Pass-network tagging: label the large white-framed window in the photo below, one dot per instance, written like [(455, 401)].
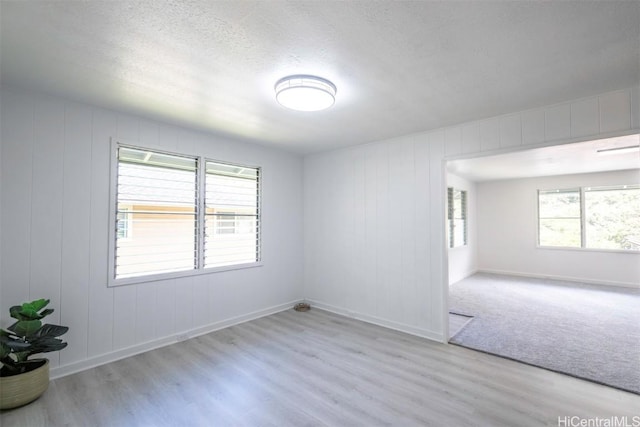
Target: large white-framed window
[(601, 218), (457, 217), (164, 211)]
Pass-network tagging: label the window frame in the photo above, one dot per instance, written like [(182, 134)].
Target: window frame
[(583, 231), (580, 216), (201, 159)]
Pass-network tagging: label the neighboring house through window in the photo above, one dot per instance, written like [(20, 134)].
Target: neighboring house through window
[(123, 225)]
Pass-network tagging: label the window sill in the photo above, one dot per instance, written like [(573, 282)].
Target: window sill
[(459, 248), (179, 274), (563, 248)]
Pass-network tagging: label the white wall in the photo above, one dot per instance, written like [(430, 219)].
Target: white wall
[(463, 260), (55, 204), (374, 242), (370, 249), (507, 224), (374, 214)]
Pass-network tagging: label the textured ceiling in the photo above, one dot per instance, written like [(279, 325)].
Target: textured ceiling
[(400, 67)]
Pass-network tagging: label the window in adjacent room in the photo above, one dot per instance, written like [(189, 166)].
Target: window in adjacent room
[(590, 217), (457, 217), (559, 218), (164, 206), (612, 217)]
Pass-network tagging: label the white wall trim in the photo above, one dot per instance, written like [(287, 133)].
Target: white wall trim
[(466, 274), (389, 324), (544, 144), (62, 371), (565, 278)]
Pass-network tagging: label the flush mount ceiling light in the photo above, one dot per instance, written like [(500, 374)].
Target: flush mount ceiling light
[(305, 93)]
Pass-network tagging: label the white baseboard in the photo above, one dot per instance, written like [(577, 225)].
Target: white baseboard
[(390, 324), (564, 278), (464, 276), (113, 356)]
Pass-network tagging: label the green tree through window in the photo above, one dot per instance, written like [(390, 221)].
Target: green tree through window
[(612, 218), (594, 218)]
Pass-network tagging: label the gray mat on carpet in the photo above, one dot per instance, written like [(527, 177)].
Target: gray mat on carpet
[(588, 331)]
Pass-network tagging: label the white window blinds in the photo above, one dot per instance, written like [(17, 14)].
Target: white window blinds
[(232, 199), (156, 196)]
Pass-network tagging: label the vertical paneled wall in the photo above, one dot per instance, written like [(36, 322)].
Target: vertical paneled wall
[(370, 249), (374, 214), (54, 231)]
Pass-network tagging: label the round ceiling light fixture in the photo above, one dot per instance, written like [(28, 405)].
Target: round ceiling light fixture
[(305, 93)]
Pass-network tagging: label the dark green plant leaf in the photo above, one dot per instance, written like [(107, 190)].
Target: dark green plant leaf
[(24, 328), (8, 362), (20, 313), (51, 331), (35, 305), (4, 350), (29, 310), (27, 336), (16, 312), (15, 345), (46, 344), (46, 312), (22, 356)]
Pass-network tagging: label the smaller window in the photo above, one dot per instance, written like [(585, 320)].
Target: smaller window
[(225, 223), (457, 217), (559, 218)]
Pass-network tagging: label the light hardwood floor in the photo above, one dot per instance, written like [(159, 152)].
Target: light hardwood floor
[(316, 369)]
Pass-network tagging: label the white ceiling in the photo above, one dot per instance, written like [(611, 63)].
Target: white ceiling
[(582, 157), (400, 67)]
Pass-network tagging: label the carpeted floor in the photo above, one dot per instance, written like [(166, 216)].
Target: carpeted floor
[(588, 331)]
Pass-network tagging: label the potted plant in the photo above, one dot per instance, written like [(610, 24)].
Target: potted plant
[(23, 380)]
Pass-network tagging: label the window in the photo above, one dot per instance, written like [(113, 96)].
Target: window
[(231, 222), (590, 217), (612, 217), (225, 223), (457, 217), (559, 218), (167, 207)]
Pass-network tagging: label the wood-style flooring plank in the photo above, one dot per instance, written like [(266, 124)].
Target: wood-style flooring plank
[(317, 369)]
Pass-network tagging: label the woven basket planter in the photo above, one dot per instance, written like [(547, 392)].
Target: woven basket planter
[(18, 390)]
